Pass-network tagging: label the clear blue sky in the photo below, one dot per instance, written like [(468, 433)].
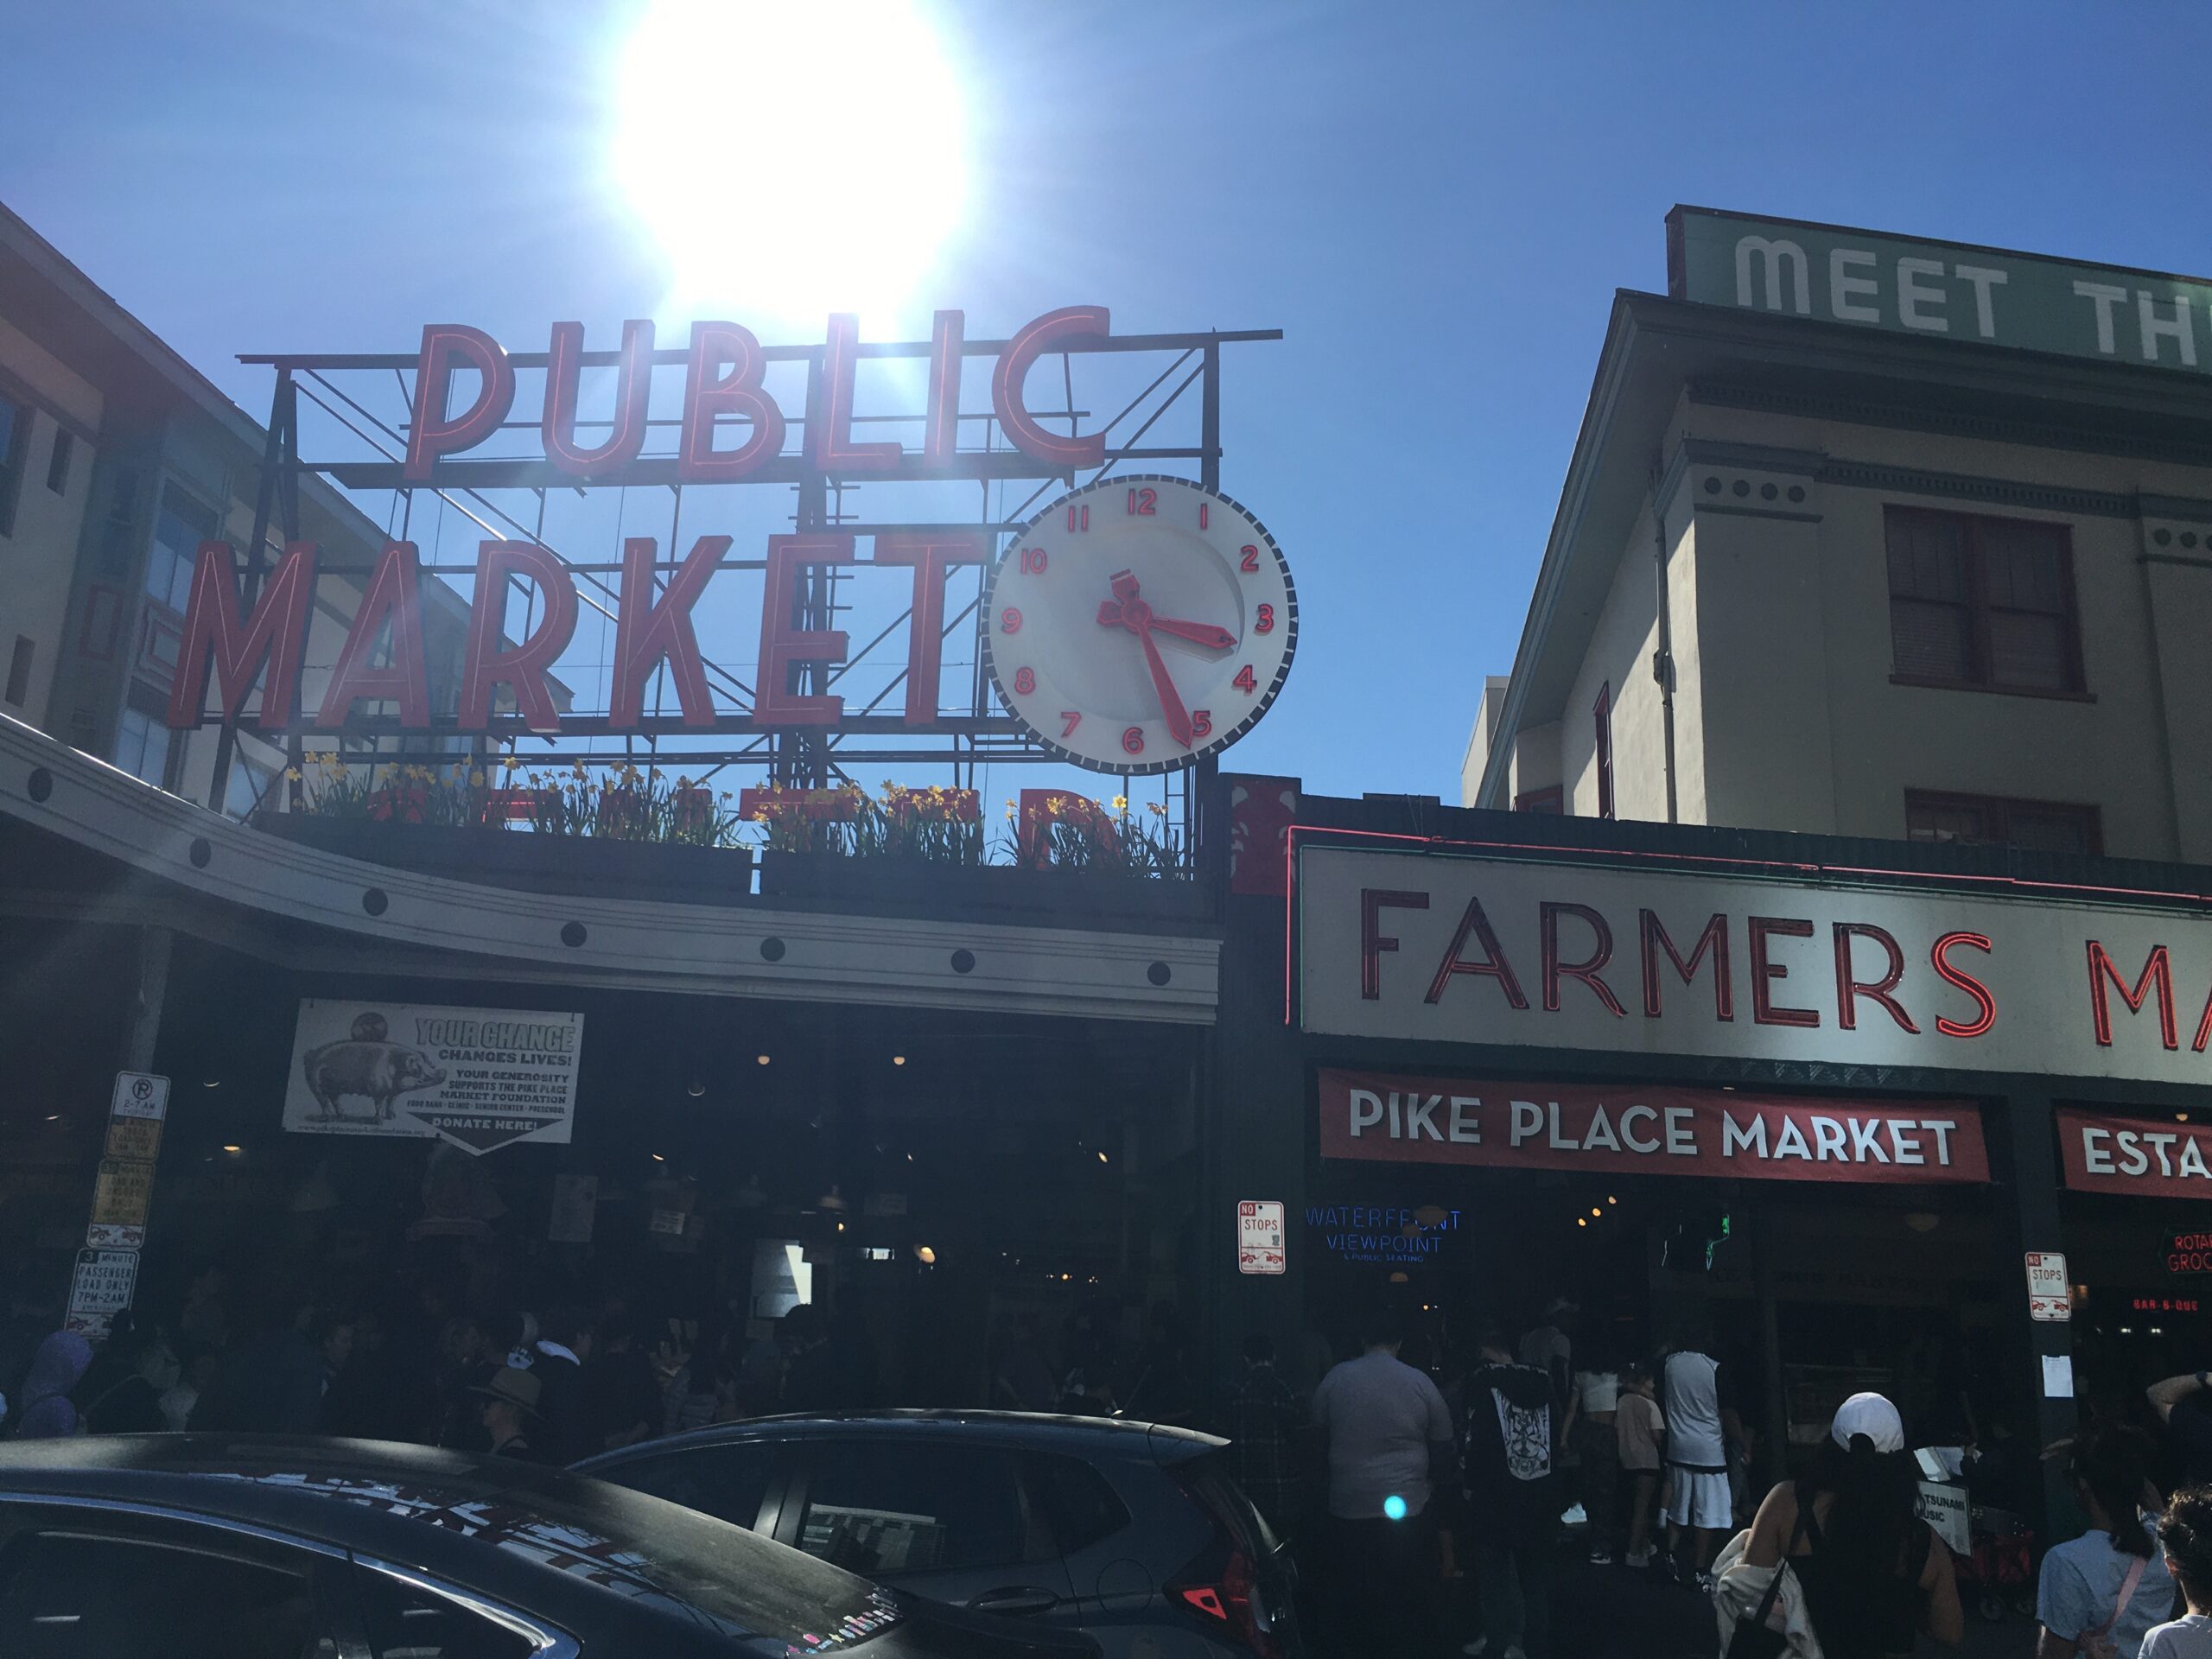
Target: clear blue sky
[(1435, 202)]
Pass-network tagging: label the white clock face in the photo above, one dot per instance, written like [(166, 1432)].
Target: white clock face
[(1139, 623)]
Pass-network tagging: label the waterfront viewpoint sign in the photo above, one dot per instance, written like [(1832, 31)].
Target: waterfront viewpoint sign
[(1635, 958), (1945, 290)]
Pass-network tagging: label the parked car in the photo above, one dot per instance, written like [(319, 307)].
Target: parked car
[(1134, 1532), (219, 1546)]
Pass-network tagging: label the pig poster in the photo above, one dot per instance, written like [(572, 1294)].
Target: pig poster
[(477, 1077)]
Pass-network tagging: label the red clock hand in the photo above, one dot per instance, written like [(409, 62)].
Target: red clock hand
[(1200, 633), (1171, 701), (1126, 610)]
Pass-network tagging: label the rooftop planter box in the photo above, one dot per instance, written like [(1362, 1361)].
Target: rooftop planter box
[(595, 866), (925, 887)]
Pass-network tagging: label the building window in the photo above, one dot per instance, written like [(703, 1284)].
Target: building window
[(1978, 602), (57, 461), (142, 746), (1552, 800), (19, 670), (14, 439), (1992, 821), (1602, 714), (247, 786), (179, 528)]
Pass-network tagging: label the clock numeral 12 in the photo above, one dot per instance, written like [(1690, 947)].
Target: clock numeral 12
[(1244, 681), (1143, 502), (1032, 561)]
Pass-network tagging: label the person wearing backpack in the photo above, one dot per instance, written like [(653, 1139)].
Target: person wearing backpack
[(2099, 1595), (1873, 1574)]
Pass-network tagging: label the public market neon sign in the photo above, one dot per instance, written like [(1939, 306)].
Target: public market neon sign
[(227, 641)]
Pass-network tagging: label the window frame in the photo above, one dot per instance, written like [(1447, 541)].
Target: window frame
[(1037, 1544), (1601, 716), (1550, 798), (1999, 807), (15, 460), (1978, 608), (61, 457)]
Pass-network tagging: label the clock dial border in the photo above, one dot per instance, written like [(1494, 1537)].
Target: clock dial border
[(1222, 737)]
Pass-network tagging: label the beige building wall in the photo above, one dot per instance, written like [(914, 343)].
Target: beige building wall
[(1786, 715), (1619, 662), (37, 556)]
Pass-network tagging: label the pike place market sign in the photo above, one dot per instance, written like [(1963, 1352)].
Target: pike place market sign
[(1639, 959), (1944, 290)]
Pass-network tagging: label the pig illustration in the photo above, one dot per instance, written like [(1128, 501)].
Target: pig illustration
[(379, 1072)]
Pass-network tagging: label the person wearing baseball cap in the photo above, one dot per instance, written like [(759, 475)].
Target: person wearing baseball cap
[(509, 1407), (1873, 1574)]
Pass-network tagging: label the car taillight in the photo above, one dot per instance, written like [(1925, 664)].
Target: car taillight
[(1230, 1595)]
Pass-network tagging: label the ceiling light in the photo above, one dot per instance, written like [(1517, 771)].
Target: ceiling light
[(1595, 1212), (1103, 1159), (898, 1059), (658, 1159), (698, 1088), (760, 1059), (54, 1117), (1399, 1279), (233, 1147), (841, 1226), (925, 1255), (1582, 1221), (212, 1083), (1610, 1199)]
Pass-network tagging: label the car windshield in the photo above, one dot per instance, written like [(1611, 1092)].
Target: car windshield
[(637, 1546)]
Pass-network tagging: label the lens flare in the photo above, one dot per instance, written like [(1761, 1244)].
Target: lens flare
[(792, 160)]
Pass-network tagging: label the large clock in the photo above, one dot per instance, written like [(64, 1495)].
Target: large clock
[(1139, 623)]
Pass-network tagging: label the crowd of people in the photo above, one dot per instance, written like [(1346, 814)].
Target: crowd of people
[(549, 1384)]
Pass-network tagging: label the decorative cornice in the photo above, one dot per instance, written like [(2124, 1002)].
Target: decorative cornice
[(221, 880)]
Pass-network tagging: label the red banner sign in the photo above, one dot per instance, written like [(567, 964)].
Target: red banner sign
[(1630, 1129), (2150, 1156)]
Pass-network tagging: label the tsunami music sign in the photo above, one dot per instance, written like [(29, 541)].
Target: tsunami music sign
[(479, 1077)]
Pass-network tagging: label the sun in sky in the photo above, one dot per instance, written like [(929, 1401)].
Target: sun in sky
[(792, 157)]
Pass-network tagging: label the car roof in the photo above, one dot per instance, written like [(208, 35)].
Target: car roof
[(1097, 1436)]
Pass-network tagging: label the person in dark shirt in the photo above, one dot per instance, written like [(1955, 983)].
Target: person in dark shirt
[(1264, 1418), (622, 1402), (2185, 1408), (131, 1403), (563, 1346), (1513, 1495)]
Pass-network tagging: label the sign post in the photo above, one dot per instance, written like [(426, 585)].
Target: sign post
[(1259, 1246), (2050, 1298)]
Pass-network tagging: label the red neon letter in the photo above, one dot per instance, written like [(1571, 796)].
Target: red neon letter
[(1941, 957), (645, 632), (941, 431), (1372, 941), (707, 394), (390, 595), (1714, 939), (1601, 952), (2158, 970), (784, 645), (933, 557), (1070, 323), (831, 436), (633, 387), (277, 629), (1494, 965), (1849, 988), (1764, 1011), (524, 667), (444, 346)]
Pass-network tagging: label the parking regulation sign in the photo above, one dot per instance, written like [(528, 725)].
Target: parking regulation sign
[(101, 1289), (1259, 1236)]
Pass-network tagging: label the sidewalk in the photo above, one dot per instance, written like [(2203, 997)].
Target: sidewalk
[(1614, 1612)]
